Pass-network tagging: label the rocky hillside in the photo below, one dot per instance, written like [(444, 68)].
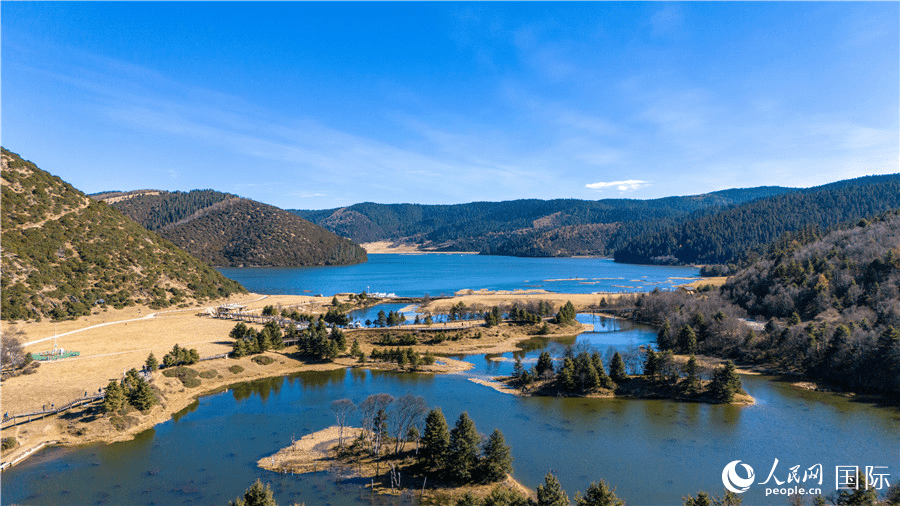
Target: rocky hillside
[(230, 231), (64, 253)]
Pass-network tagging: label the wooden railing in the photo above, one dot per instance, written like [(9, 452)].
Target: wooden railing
[(52, 410)]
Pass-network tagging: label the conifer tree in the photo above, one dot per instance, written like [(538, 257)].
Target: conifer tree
[(605, 380), (551, 493), (435, 441), (503, 496), (687, 340), (617, 368), (140, 395), (651, 365), (699, 323), (585, 373), (725, 383), (151, 363), (463, 450), (702, 499), (239, 331), (239, 349), (496, 461), (861, 495), (664, 336), (492, 318), (518, 368), (273, 336), (130, 381), (544, 364), (113, 398), (691, 380), (566, 375), (566, 314), (256, 495), (598, 494)]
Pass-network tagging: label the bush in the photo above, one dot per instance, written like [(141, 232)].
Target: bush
[(236, 369), (209, 374), (190, 382), (118, 422), (9, 443), (187, 375), (263, 360)]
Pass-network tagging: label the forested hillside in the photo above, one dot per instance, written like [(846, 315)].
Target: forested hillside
[(728, 236), (832, 306), (157, 209), (63, 253), (560, 227), (226, 230)]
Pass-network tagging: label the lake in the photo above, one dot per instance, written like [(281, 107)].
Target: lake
[(653, 451), (444, 274)]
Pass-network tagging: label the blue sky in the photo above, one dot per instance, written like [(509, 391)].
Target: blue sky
[(319, 105)]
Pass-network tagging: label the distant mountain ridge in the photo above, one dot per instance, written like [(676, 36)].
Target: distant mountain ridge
[(717, 227), (227, 230), (531, 227), (730, 234), (64, 253)]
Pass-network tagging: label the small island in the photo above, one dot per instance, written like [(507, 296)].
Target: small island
[(439, 465), (584, 375)]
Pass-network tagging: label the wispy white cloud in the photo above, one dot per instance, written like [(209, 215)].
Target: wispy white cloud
[(557, 114), (622, 186)]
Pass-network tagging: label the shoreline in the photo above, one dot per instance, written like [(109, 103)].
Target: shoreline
[(174, 397), (316, 452), (390, 247), (635, 387), (211, 336)]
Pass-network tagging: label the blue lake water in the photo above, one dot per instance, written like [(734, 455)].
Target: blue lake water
[(653, 451), (417, 275)]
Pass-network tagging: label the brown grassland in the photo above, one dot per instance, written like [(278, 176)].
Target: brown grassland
[(112, 341)]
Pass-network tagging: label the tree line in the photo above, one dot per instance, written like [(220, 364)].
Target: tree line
[(532, 227), (583, 373), (831, 308), (733, 235)]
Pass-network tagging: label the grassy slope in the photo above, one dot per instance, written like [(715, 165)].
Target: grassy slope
[(63, 253)]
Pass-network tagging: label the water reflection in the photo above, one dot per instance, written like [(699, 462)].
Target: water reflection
[(653, 451), (190, 408)]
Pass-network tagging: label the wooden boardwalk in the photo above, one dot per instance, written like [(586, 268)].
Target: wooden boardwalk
[(52, 410), (256, 318)]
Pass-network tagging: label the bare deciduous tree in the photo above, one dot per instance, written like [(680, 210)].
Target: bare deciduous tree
[(369, 411), (342, 408), (409, 410)]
